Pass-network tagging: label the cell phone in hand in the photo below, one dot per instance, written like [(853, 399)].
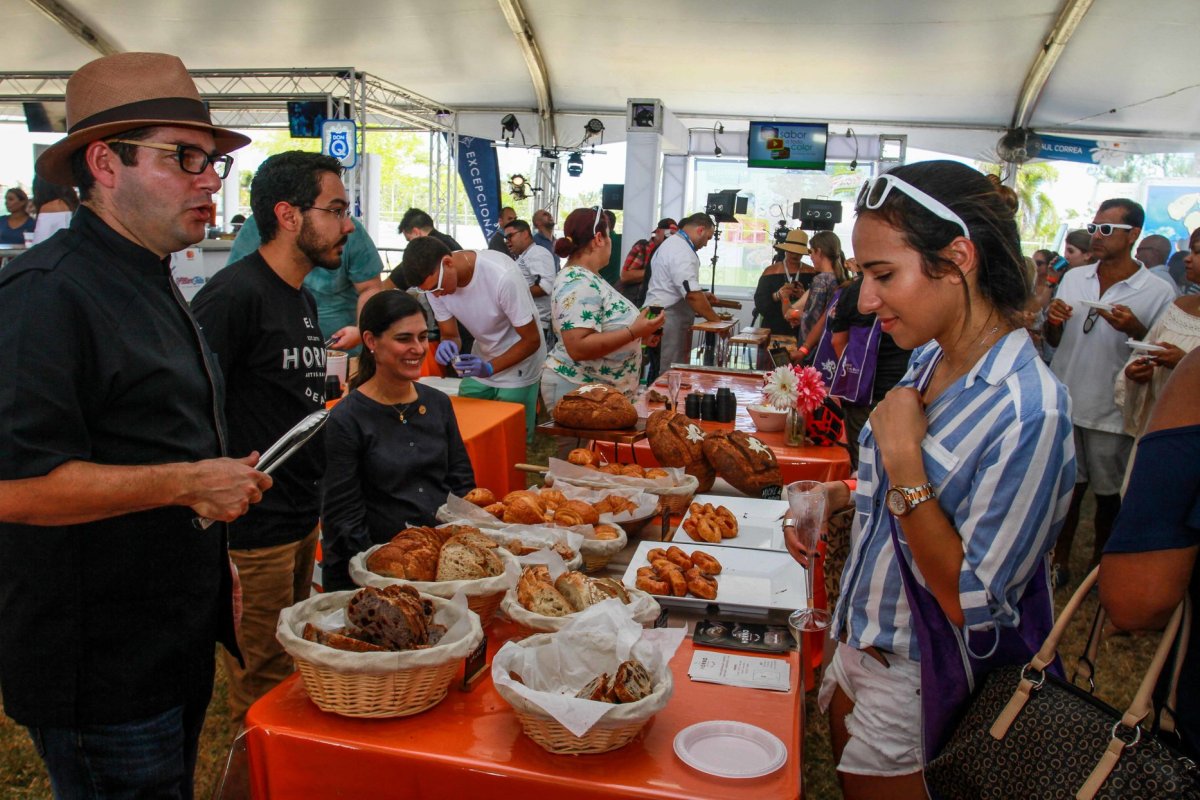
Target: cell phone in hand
[(654, 312)]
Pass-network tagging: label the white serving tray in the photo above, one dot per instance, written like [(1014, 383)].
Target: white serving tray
[(751, 579), (760, 522)]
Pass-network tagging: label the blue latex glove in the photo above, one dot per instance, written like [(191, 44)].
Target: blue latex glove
[(470, 366), (446, 351)]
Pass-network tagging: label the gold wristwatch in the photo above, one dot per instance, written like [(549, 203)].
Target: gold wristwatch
[(901, 500)]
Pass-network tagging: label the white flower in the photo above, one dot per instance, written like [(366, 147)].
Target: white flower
[(781, 388)]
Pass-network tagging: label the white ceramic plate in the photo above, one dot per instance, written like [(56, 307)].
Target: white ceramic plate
[(1143, 347), (751, 579), (759, 522), (1093, 304), (730, 749)]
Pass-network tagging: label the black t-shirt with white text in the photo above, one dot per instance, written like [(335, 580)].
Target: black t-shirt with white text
[(271, 351)]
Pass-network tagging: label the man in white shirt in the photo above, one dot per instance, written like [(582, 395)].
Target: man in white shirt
[(1091, 351), (487, 289), (536, 265), (674, 285)]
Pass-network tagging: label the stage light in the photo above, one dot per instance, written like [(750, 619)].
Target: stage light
[(508, 126), (575, 165), (518, 187), (592, 129)]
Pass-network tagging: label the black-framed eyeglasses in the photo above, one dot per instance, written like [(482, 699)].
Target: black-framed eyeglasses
[(1107, 228), (340, 213), (510, 235), (192, 160), (1090, 321)]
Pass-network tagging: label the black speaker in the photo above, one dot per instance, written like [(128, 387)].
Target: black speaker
[(817, 215), (612, 196)]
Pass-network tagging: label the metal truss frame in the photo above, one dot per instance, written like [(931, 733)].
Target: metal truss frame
[(249, 99)]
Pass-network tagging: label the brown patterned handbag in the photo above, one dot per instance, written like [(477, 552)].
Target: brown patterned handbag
[(1029, 735)]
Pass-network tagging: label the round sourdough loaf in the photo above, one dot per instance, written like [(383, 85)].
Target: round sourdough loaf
[(743, 460), (677, 441), (595, 407)]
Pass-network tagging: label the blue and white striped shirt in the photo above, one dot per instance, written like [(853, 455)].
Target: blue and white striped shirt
[(1000, 453)]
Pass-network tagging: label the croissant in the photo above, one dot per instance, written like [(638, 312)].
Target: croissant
[(525, 509), (481, 497)]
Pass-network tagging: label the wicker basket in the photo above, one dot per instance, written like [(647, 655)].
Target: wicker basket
[(483, 595), (393, 694), (618, 726), (394, 684), (642, 607), (554, 738)]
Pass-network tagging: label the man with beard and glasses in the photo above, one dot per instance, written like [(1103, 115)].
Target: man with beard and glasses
[(262, 324)]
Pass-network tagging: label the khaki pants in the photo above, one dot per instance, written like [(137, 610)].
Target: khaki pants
[(272, 578)]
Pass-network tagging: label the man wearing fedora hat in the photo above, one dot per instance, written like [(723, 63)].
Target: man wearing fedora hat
[(110, 598)]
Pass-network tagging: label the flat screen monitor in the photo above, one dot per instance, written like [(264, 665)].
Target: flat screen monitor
[(47, 116), (305, 118), (787, 145)]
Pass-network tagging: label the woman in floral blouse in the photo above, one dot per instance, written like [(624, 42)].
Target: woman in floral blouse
[(599, 332)]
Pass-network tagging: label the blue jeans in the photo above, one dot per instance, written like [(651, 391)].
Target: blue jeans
[(153, 757)]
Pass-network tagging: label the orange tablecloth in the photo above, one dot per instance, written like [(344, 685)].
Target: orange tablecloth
[(430, 366), (494, 433), (471, 745)]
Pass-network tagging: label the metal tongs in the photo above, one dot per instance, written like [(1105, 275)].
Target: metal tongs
[(281, 451)]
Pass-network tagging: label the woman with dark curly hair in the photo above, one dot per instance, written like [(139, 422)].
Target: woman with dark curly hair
[(966, 470)]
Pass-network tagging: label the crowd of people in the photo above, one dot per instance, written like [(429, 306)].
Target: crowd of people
[(137, 416)]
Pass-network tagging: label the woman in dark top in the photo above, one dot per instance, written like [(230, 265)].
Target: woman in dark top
[(781, 283), (890, 365), (1149, 562), (393, 450), (17, 223)]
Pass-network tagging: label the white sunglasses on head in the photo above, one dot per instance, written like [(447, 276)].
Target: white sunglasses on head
[(438, 288), (875, 190)]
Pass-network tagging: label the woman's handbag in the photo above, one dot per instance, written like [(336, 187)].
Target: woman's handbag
[(854, 377), (1029, 734)]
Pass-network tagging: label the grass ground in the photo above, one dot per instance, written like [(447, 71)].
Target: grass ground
[(1122, 662)]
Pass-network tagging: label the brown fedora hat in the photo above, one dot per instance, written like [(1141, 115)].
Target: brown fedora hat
[(126, 91), (796, 242)]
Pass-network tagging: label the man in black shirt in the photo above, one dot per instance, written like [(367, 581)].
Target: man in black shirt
[(262, 324), (110, 599)]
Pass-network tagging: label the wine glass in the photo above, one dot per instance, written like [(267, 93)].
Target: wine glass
[(674, 382), (806, 505)]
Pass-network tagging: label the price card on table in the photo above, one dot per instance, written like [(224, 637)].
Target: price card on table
[(773, 674)]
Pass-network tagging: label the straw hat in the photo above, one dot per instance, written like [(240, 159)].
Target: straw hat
[(796, 242), (126, 91)]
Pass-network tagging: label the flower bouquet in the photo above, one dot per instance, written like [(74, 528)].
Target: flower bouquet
[(798, 390)]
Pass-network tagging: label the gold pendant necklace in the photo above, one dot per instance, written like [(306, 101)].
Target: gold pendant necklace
[(404, 408)]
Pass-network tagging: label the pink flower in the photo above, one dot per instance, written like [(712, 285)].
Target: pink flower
[(810, 391)]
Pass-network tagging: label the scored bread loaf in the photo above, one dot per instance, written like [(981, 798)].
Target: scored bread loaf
[(595, 407), (677, 441), (743, 460)]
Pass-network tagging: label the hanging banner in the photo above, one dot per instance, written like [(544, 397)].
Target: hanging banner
[(1061, 148), (479, 170)]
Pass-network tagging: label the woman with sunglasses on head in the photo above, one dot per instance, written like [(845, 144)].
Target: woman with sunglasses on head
[(965, 473), (600, 333), (392, 446)]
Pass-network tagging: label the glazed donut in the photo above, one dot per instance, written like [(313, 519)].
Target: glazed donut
[(709, 531), (695, 509), (648, 581), (701, 585), (725, 514), (679, 558), (706, 563), (655, 554), (674, 576), (661, 565)]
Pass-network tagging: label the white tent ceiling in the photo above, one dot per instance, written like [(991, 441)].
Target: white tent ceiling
[(944, 67)]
